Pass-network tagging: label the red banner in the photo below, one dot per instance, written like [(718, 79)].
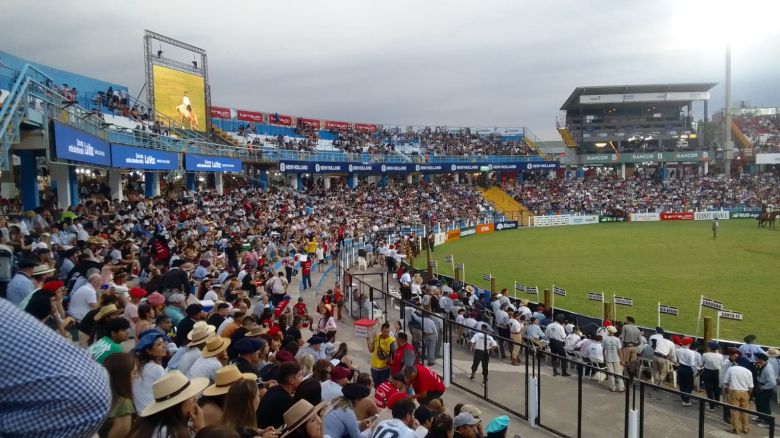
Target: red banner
[(314, 123), (249, 116), (278, 119), (687, 216), (219, 112), (453, 235), (365, 127), (336, 126)]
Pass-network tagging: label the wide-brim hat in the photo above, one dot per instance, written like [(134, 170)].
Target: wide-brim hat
[(97, 240), (417, 279), (299, 414), (187, 266), (200, 333), (172, 389), (470, 289), (105, 311), (773, 352), (42, 270), (225, 377), (215, 345), (256, 331)]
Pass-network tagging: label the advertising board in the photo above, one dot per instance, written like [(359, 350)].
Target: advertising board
[(485, 228), (127, 157), (681, 216), (204, 163), (644, 217), (710, 215), (467, 231), (504, 226), (76, 145)]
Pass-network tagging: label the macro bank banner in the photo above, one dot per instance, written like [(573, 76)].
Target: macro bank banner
[(204, 163), (425, 168), (76, 145), (145, 159)]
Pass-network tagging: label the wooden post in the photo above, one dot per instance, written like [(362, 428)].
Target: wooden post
[(458, 275), (707, 329), (607, 310), (547, 299), (493, 285)]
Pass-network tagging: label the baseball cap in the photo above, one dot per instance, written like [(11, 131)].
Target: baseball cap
[(464, 419)]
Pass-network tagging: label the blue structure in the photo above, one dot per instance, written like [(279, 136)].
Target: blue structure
[(29, 179)]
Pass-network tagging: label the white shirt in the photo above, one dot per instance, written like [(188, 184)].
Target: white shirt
[(142, 385), (515, 326), (188, 359), (479, 341), (205, 367), (555, 331), (664, 347), (185, 100), (712, 361), (80, 301), (524, 310), (686, 356), (596, 352), (571, 341), (225, 323), (406, 278), (330, 390), (739, 378), (394, 428)]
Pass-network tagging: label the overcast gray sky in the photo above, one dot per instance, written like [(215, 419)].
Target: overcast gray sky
[(459, 63)]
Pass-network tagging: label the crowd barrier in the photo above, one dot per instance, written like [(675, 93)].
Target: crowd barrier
[(576, 406)]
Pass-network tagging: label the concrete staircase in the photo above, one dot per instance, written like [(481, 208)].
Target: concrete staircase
[(506, 205), (568, 139), (223, 136)]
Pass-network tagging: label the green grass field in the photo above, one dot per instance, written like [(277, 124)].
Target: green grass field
[(670, 262)]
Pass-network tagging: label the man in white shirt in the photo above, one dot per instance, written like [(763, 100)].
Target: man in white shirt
[(556, 335), (662, 359), (502, 326), (84, 298), (516, 334), (482, 344), (331, 388), (401, 423), (690, 363), (739, 382), (712, 361), (612, 348)]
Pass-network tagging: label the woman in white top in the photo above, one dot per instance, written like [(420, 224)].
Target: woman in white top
[(150, 352), (326, 323)]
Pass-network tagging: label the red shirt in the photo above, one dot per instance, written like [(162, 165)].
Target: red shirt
[(306, 267), (383, 392), (427, 381), (397, 363), (300, 309)]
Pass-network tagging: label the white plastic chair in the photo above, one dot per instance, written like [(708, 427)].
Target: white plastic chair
[(362, 263)]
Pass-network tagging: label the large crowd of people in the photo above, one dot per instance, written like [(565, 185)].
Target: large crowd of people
[(762, 131), (612, 195)]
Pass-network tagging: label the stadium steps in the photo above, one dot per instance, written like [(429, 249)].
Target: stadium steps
[(744, 143), (222, 136), (506, 204), (533, 146), (568, 139)]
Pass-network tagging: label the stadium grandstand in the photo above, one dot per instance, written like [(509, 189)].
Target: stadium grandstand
[(192, 243)]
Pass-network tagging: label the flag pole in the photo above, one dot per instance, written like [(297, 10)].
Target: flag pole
[(552, 302), (717, 327), (659, 314), (698, 319)]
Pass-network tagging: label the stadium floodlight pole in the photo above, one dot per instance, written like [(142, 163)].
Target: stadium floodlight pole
[(728, 146)]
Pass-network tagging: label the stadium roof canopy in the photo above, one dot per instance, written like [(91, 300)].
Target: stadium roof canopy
[(616, 94)]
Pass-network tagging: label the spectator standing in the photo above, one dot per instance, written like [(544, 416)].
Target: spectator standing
[(482, 343), (690, 362), (739, 382), (712, 362), (556, 334), (631, 337), (765, 388), (382, 348), (612, 348)]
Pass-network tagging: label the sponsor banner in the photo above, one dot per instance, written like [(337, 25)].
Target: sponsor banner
[(180, 95), (532, 290), (249, 116), (453, 235), (520, 287), (683, 216), (541, 165), (484, 228), (486, 277), (596, 296), (278, 119), (767, 158), (622, 301), (76, 145), (712, 304), (433, 264), (583, 220), (448, 259), (727, 314), (503, 226), (644, 217), (559, 291), (645, 157), (550, 221), (668, 310), (203, 163), (745, 214), (439, 238), (460, 266), (710, 215), (220, 113), (365, 127), (314, 123), (146, 159), (336, 126), (605, 219), (468, 231)]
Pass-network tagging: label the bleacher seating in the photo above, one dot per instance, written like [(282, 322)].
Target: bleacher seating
[(762, 130)]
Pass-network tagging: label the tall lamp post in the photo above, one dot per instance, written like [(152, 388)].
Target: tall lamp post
[(728, 145)]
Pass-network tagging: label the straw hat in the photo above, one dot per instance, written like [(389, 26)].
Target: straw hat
[(773, 352), (172, 389), (187, 266), (470, 289), (225, 377), (256, 331), (215, 345), (299, 414), (417, 279), (42, 270), (200, 333), (105, 311), (97, 240)]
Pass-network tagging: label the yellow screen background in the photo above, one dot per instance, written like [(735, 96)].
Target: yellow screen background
[(169, 88)]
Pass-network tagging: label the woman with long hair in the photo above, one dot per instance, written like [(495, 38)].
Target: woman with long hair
[(366, 407), (326, 323), (304, 420), (150, 352), (240, 409), (442, 426), (174, 412), (145, 318), (120, 367)]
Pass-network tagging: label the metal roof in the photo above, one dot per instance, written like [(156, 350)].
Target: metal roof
[(574, 99)]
